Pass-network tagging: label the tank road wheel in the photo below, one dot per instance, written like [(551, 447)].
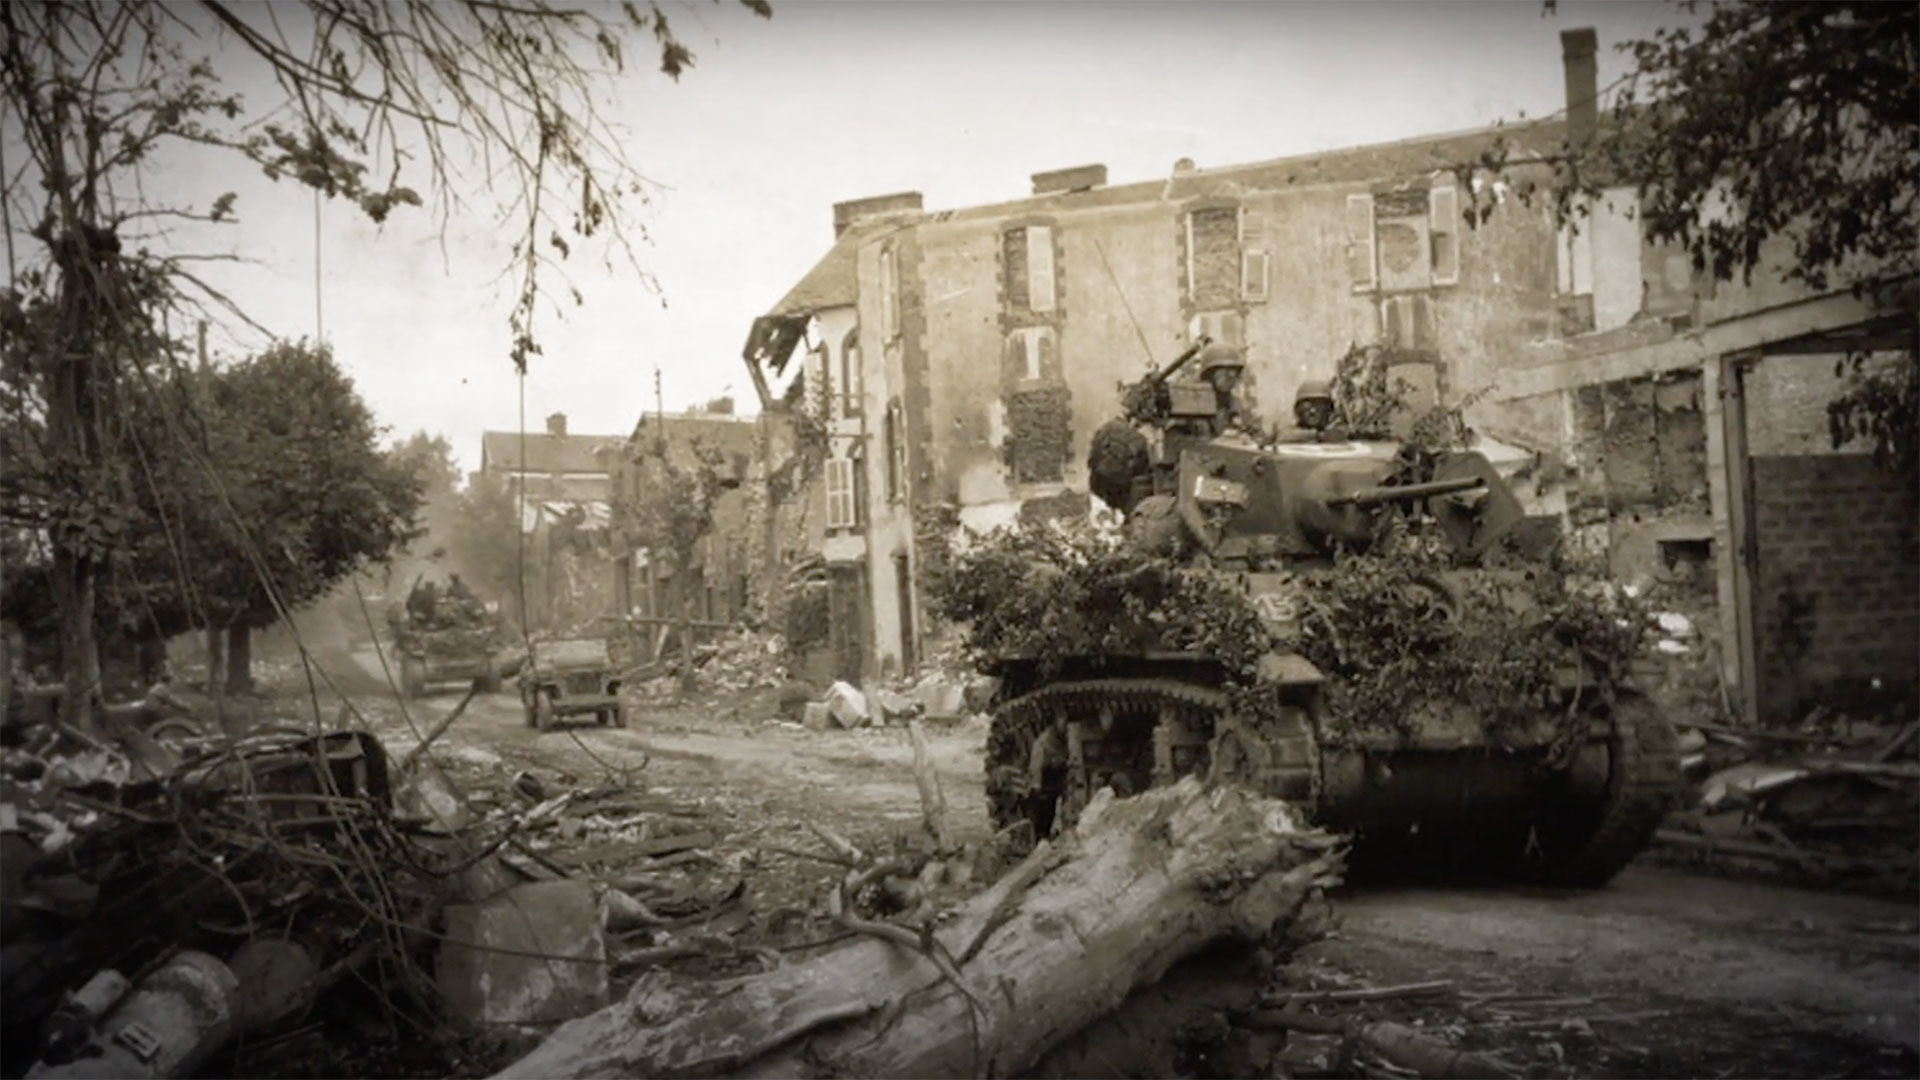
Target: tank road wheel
[(1030, 775), (1012, 795), (1588, 846)]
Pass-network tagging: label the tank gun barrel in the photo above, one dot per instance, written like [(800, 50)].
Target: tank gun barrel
[(1378, 496)]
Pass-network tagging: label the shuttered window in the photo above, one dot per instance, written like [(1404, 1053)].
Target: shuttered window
[(1013, 257), (850, 374), (1360, 248), (896, 453), (1040, 279), (1213, 256), (839, 476), (1443, 223), (889, 297)]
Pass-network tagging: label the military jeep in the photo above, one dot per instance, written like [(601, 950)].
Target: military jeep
[(571, 677)]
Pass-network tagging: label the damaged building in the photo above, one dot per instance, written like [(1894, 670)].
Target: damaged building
[(962, 359), (563, 485)]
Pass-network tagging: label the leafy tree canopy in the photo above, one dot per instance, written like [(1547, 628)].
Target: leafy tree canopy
[(272, 490), (1794, 120)]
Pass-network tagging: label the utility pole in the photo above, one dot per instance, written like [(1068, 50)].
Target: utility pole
[(203, 347), (659, 414), (319, 325)]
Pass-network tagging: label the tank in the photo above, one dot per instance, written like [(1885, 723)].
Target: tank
[(1574, 788), (446, 635)]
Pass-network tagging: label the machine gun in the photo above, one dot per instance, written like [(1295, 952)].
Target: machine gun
[(1149, 400)]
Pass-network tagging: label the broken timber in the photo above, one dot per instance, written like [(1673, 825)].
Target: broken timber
[(1055, 944)]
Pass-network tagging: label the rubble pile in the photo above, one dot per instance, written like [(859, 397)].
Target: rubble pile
[(742, 659), (257, 874), (1834, 802)]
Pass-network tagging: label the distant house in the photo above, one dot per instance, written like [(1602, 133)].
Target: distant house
[(551, 465), (720, 584), (564, 488)]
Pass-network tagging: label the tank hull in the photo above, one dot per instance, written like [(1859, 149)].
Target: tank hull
[(1570, 804)]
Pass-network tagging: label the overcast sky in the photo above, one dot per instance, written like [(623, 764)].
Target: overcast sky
[(833, 100)]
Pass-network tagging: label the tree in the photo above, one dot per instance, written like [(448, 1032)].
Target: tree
[(486, 545), (273, 490), (669, 514), (374, 95), (1794, 121), (1790, 124), (429, 459)]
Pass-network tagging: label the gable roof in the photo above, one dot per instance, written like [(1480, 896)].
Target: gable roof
[(833, 281), (736, 438), (547, 453)]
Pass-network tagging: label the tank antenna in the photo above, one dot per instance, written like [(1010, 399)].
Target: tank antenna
[(1145, 348)]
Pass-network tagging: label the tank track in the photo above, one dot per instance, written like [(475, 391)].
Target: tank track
[(1017, 723), (1645, 783)]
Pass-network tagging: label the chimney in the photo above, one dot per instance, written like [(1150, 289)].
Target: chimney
[(846, 214), (1577, 48), (557, 424), (1061, 181)]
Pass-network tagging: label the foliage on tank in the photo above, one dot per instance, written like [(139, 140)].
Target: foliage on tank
[(1391, 639), (1053, 590)]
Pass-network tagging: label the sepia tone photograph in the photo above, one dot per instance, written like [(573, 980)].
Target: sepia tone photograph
[(960, 538)]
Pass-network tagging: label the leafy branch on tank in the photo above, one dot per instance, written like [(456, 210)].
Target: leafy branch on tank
[(1373, 621)]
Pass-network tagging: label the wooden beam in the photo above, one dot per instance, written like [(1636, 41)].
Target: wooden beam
[(1744, 333)]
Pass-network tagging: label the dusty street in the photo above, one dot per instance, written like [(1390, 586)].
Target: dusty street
[(1665, 973)]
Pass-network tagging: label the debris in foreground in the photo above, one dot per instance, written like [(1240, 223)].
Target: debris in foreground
[(1834, 804), (1007, 975)]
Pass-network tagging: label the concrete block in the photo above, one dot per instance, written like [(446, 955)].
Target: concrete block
[(534, 954), (848, 706), (816, 716), (941, 699), (894, 708)]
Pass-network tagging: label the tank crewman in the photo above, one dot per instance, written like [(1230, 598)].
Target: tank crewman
[(1222, 367), (1312, 413), (461, 604), (423, 602)]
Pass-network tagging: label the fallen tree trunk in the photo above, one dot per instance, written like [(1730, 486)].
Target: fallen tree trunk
[(1054, 945)]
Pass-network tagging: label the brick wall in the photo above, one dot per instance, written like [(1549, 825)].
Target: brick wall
[(1837, 585)]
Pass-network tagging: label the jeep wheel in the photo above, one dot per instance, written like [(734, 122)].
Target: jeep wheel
[(543, 709)]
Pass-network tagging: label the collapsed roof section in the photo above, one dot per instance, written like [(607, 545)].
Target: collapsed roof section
[(833, 282)]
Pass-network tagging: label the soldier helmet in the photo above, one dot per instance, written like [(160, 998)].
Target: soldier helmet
[(1313, 390), (1220, 355)]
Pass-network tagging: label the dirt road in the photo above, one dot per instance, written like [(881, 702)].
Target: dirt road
[(1664, 973)]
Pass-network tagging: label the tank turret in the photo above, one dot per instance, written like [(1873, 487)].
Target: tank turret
[(1171, 456)]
